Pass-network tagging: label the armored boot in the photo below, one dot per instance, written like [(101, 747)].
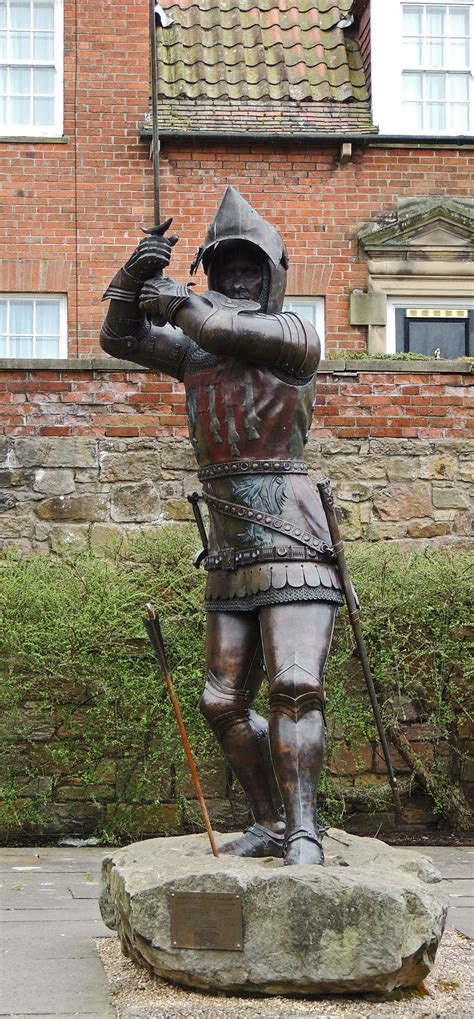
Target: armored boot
[(249, 748), (297, 731), (243, 735), (298, 746)]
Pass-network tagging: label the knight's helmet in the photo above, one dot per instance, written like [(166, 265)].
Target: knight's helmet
[(236, 220)]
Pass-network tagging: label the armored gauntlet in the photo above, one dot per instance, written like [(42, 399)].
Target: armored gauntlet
[(151, 255), (163, 297)]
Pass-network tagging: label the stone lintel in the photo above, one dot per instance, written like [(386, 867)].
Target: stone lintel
[(400, 367), (101, 364), (409, 267)]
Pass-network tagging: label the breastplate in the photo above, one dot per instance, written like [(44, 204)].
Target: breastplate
[(237, 410)]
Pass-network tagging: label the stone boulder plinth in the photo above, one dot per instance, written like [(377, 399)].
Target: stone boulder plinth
[(369, 920)]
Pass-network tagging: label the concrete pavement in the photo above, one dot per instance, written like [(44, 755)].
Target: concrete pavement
[(49, 917), (456, 866)]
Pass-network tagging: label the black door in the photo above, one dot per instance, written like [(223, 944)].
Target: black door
[(419, 331)]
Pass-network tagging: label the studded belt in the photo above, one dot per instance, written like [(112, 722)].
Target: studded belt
[(229, 558), (252, 467), (273, 523)]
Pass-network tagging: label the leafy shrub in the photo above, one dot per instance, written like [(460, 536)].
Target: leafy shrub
[(415, 614), (80, 683), (81, 700)]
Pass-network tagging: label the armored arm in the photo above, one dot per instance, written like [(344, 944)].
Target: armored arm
[(284, 341), (127, 334), (226, 327)]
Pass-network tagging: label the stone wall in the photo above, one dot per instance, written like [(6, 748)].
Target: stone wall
[(56, 802), (93, 453)]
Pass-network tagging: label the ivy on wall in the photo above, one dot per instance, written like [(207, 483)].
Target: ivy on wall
[(88, 741)]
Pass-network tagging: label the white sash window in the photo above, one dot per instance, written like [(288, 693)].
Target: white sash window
[(436, 60), (31, 68), (423, 67), (33, 327)]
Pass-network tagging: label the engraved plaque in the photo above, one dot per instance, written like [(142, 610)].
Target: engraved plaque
[(206, 920)]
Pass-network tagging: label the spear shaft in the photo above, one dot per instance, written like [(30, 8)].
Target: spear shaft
[(153, 629), (327, 500)]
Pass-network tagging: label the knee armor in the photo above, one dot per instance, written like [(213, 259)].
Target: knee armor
[(295, 690), (222, 705)]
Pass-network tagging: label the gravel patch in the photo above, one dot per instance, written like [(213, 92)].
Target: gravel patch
[(447, 991)]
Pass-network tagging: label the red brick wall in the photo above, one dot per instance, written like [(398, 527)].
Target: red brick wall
[(74, 200), (357, 404), (316, 203), (79, 204)]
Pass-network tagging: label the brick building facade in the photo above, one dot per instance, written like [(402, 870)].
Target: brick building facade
[(73, 206)]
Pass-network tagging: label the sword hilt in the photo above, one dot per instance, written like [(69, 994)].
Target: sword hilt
[(194, 498)]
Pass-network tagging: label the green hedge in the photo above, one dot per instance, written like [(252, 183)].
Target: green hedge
[(80, 687)]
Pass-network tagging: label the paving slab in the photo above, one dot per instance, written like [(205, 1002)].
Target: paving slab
[(83, 912), (456, 866), (75, 985), (59, 939), (48, 922)]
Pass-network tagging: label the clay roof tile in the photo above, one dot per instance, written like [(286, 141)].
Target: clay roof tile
[(247, 52)]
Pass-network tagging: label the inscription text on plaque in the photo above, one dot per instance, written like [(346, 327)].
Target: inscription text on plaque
[(211, 920)]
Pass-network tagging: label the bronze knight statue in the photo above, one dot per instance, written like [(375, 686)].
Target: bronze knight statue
[(272, 584)]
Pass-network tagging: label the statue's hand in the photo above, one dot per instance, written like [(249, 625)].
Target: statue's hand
[(152, 255), (161, 297)]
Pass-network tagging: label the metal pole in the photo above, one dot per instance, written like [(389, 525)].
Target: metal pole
[(154, 111), (152, 626), (327, 500)]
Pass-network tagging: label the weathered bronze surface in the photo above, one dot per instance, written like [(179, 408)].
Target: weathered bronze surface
[(273, 587), (206, 920)]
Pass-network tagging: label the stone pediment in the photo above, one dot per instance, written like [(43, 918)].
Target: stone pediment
[(438, 235), (432, 228)]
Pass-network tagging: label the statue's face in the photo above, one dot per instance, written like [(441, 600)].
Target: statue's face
[(239, 276)]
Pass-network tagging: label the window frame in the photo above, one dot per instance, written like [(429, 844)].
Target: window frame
[(413, 301), (55, 130), (388, 68), (299, 300), (38, 298)]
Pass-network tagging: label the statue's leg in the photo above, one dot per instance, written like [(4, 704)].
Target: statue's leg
[(234, 675), (296, 641)]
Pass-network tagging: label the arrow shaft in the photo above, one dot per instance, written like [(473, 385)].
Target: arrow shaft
[(153, 629)]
